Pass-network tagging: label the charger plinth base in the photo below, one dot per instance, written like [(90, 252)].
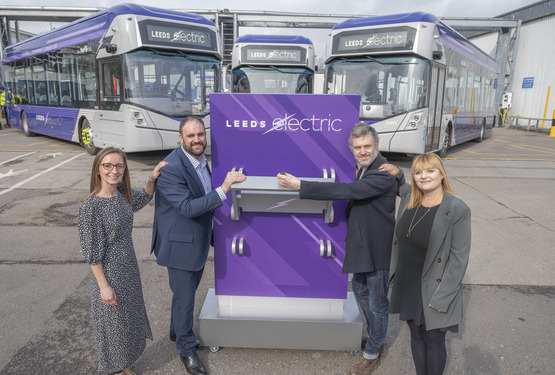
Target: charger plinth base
[(281, 323)]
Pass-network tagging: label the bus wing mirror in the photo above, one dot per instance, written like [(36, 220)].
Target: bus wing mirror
[(110, 48), (437, 55)]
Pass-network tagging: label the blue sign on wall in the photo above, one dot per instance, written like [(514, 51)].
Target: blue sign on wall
[(495, 84), (527, 82)]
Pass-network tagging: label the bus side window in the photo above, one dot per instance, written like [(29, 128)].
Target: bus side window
[(111, 77), (422, 99), (42, 94)]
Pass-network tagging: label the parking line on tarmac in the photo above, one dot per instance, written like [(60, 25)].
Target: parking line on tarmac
[(535, 148), (536, 153), (38, 175), (472, 152), (31, 144), (40, 143), (17, 157), (493, 153), (44, 150), (514, 159), (63, 144)]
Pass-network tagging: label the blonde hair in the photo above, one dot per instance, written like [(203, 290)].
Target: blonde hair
[(96, 184), (427, 161)]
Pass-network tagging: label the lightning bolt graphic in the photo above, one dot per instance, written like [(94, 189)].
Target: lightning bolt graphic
[(282, 204), (280, 124)]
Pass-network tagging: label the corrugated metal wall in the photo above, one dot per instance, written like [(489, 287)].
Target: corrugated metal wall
[(536, 58)]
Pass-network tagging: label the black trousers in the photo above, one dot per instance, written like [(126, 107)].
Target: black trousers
[(428, 349)]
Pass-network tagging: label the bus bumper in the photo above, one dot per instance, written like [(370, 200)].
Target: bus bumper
[(409, 142)]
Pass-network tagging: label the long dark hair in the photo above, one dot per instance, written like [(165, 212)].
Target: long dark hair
[(124, 186)]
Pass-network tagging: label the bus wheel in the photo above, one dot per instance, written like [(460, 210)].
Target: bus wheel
[(446, 142), (87, 138), (482, 133), (25, 125)]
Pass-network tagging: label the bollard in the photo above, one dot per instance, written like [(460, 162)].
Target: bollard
[(552, 132)]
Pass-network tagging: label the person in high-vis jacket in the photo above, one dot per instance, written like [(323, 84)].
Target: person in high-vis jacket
[(20, 97), (3, 105)]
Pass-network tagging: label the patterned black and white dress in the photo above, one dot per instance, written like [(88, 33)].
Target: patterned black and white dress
[(105, 226)]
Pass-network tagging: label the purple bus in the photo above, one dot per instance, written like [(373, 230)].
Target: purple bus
[(272, 64), (422, 85), (122, 77)]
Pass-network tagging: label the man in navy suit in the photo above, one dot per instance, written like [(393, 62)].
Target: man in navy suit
[(182, 229), (370, 224)]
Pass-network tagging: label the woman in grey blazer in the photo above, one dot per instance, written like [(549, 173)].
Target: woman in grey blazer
[(431, 246)]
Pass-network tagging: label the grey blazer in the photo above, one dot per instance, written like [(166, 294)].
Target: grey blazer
[(446, 260)]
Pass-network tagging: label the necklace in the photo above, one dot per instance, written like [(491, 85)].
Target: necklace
[(411, 227)]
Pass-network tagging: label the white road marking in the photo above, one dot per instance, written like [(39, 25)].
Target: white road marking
[(17, 157), (38, 175)]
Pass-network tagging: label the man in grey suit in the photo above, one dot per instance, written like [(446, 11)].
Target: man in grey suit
[(370, 224), (182, 229)]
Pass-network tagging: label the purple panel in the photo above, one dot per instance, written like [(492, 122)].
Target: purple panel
[(57, 122), (281, 253)]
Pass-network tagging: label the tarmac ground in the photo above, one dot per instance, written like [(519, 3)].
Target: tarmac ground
[(509, 288)]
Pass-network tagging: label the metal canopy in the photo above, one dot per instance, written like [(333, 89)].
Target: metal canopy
[(229, 22), (46, 14), (479, 24), (244, 18)]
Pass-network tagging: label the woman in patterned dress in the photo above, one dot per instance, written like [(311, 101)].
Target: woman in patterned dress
[(119, 320)]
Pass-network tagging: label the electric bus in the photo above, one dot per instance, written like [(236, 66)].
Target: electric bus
[(123, 77), (422, 85), (272, 64)]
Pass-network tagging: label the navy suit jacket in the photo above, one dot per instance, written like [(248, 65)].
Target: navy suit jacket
[(182, 226)]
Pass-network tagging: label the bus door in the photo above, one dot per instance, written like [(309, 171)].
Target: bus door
[(433, 132), (108, 121)]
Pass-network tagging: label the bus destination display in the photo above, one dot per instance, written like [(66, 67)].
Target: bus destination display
[(177, 36), (258, 54), (401, 38)]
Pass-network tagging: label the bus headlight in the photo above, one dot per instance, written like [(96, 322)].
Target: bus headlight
[(138, 118), (414, 121)]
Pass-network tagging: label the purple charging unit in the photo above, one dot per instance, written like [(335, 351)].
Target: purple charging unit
[(272, 249)]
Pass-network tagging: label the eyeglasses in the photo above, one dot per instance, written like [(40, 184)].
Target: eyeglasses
[(110, 166)]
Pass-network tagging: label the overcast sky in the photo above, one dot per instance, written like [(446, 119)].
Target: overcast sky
[(440, 8)]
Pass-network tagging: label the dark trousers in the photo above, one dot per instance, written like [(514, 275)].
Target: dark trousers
[(370, 290), (183, 284), (4, 115), (428, 349)]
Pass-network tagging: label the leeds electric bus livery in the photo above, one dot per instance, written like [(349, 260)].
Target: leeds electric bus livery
[(122, 77), (272, 64), (422, 85)]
